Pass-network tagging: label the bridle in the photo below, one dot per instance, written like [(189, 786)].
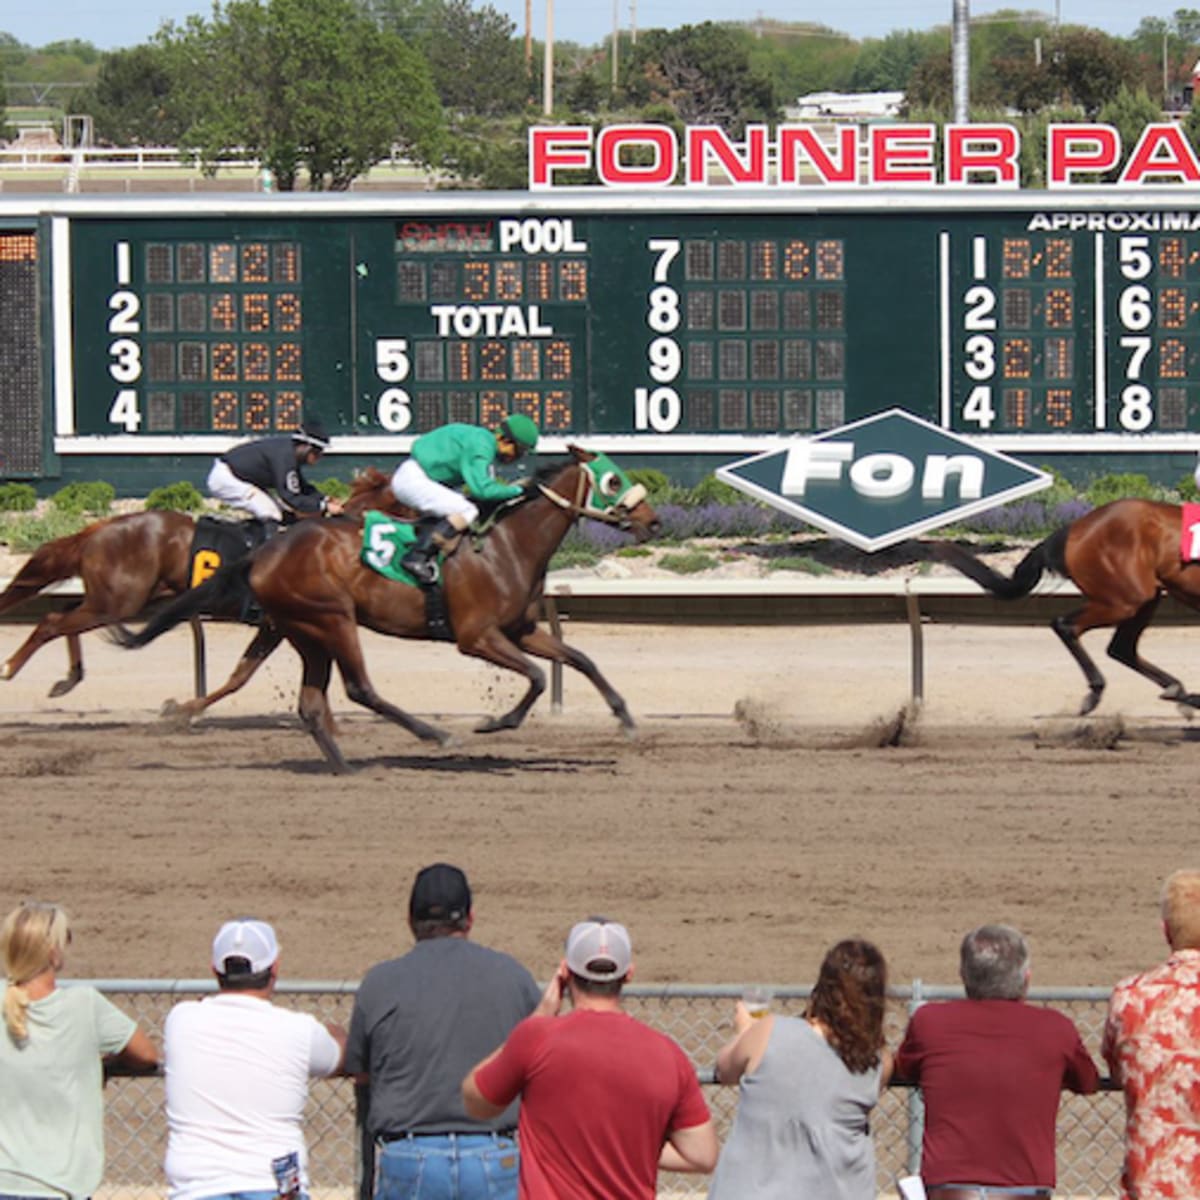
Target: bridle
[(619, 515)]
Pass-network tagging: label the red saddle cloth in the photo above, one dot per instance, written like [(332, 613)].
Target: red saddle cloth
[(1189, 533)]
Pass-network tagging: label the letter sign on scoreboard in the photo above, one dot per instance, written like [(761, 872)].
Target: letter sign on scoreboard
[(684, 321)]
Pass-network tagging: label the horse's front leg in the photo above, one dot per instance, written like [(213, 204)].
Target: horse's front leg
[(494, 647), (544, 644), (265, 642)]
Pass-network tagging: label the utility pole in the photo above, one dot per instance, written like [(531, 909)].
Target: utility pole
[(615, 36), (548, 62), (528, 39), (960, 61)]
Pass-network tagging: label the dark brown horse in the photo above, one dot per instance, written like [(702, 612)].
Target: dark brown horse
[(315, 591), (1124, 557), (124, 563)]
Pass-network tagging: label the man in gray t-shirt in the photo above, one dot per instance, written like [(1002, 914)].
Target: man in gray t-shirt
[(420, 1023)]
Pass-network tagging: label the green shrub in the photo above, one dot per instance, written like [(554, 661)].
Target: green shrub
[(711, 490), (655, 482), (17, 497), (573, 556), (690, 562), (798, 562), (1189, 493), (1106, 488), (23, 534), (94, 497), (176, 497), (1059, 492), (333, 487), (634, 552)]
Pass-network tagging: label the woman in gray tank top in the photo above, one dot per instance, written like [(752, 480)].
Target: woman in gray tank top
[(807, 1086)]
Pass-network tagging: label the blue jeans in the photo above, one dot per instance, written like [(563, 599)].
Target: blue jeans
[(449, 1166)]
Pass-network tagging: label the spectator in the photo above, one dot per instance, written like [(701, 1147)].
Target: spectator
[(419, 1022), (605, 1100), (51, 1101), (1152, 1046), (244, 476), (807, 1088), (991, 1069), (237, 1071)]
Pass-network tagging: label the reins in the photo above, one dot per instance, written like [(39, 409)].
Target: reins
[(581, 506)]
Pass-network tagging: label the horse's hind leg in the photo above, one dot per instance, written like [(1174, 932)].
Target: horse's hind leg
[(545, 644), (314, 704), (1068, 630), (266, 642), (494, 647), (1124, 648), (69, 624)]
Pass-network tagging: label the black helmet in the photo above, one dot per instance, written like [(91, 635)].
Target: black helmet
[(312, 433)]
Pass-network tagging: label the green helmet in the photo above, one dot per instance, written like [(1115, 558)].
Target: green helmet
[(520, 429)]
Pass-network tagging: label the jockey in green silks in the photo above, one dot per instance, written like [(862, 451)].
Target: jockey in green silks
[(440, 465)]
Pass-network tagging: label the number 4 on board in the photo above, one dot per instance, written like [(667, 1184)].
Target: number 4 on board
[(124, 410)]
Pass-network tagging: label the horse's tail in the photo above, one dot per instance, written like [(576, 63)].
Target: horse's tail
[(1048, 555), (48, 564), (224, 593)]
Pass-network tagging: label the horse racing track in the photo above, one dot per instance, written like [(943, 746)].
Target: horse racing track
[(774, 800)]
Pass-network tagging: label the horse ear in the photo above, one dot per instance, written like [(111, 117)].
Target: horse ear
[(579, 454)]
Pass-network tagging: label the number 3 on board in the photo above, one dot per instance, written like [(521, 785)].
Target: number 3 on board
[(124, 410)]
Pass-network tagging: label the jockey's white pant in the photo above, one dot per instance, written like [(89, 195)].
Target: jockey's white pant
[(411, 486), (225, 486)]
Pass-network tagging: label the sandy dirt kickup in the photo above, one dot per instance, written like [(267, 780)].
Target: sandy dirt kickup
[(776, 798)]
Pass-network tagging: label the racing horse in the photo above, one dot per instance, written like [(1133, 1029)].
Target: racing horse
[(315, 591), (124, 563), (1124, 557)]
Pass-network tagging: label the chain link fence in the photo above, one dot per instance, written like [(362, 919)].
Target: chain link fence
[(699, 1017)]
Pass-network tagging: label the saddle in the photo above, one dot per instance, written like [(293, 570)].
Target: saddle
[(219, 541), (385, 541)]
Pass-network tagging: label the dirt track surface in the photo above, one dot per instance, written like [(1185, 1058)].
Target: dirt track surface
[(761, 813)]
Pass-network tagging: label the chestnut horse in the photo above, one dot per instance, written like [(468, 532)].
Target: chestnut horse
[(125, 562), (315, 590), (1124, 557)]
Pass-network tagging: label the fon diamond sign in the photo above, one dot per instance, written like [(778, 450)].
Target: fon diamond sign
[(885, 478)]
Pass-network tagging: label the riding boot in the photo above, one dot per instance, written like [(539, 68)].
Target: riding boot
[(420, 561)]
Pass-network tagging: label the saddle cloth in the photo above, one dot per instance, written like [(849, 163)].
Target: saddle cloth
[(218, 542), (1189, 533)]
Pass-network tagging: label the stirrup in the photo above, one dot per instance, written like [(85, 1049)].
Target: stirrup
[(423, 570)]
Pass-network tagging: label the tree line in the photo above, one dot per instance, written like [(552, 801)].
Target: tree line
[(322, 90)]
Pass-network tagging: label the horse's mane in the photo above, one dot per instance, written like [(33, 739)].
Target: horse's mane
[(497, 510)]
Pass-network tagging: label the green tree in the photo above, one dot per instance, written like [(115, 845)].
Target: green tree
[(1092, 67), (886, 64), (476, 62), (799, 59), (1129, 112), (703, 73), (131, 98), (310, 85)]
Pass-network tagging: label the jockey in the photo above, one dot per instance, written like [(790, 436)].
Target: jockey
[(243, 476), (447, 459)]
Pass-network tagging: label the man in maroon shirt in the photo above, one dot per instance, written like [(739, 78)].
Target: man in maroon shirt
[(991, 1069), (605, 1100)]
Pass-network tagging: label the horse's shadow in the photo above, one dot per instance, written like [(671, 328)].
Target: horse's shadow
[(454, 763)]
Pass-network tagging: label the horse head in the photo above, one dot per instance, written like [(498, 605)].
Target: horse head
[(603, 492)]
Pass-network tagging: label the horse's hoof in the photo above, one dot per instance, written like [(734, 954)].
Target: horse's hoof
[(5, 671), (1089, 702), (447, 741), (62, 687)]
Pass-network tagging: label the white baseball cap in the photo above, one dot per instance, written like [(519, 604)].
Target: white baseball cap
[(247, 939), (600, 950)]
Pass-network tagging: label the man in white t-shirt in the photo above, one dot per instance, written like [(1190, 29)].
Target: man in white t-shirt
[(237, 1072)]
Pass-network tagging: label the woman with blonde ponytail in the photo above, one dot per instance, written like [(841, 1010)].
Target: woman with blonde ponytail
[(51, 1051)]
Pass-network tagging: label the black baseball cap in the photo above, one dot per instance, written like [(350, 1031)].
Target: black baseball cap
[(440, 893)]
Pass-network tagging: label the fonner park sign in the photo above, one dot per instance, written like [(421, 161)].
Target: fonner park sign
[(880, 480), (887, 155)]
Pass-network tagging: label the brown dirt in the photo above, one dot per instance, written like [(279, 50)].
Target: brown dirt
[(778, 797)]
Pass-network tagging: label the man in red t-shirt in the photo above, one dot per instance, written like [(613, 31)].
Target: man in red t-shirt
[(991, 1069), (605, 1100)]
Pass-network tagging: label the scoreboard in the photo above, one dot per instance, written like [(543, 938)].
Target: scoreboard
[(689, 323)]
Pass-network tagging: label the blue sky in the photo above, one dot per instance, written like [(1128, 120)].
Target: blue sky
[(114, 23)]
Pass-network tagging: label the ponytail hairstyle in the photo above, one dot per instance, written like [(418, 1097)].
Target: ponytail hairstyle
[(33, 937), (849, 999)]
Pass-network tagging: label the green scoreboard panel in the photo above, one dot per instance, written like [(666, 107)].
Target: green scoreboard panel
[(1036, 319)]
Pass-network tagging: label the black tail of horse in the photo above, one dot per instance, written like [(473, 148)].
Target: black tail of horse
[(1048, 555), (225, 593)]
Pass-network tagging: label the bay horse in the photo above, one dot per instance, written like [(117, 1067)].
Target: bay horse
[(125, 563), (1124, 557), (315, 590)]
